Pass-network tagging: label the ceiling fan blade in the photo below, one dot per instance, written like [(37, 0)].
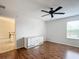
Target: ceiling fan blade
[(57, 9), (1, 6), (45, 15), (44, 11), (59, 13)]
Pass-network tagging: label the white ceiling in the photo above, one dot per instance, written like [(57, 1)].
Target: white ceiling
[(10, 8), (32, 8)]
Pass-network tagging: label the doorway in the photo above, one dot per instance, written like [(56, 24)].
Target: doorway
[(7, 34)]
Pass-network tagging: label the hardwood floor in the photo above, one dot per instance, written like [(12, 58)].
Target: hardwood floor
[(46, 51)]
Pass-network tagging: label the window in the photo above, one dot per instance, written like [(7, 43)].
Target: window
[(73, 29)]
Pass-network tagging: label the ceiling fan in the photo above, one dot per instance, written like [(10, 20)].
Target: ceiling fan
[(1, 6), (52, 12)]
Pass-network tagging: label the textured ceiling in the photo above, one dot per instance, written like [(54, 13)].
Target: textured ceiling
[(32, 8), (10, 9)]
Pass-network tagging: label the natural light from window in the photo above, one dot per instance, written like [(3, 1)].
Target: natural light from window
[(73, 29)]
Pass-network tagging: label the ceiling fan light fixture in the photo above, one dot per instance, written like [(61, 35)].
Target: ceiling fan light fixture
[(2, 6)]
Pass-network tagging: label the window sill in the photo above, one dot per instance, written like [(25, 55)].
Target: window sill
[(73, 38)]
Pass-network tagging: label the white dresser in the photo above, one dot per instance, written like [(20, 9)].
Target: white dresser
[(33, 41)]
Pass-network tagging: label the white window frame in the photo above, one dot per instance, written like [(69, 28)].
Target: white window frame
[(67, 30)]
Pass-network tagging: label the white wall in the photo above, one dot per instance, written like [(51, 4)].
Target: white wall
[(27, 27), (56, 31), (28, 20)]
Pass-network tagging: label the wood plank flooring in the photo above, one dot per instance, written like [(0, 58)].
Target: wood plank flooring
[(46, 51)]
